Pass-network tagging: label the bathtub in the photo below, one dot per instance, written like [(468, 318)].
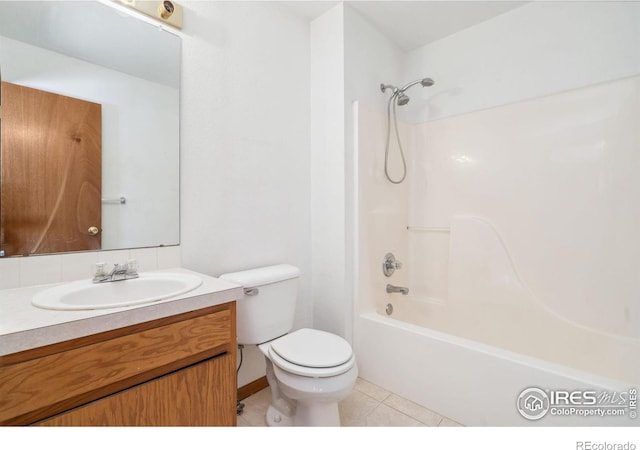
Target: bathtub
[(468, 381), (471, 351), (511, 286)]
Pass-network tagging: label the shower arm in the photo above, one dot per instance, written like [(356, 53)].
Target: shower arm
[(384, 87)]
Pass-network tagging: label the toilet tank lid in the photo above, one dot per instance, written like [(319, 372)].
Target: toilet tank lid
[(262, 275)]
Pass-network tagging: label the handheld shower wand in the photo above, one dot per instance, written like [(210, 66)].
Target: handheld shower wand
[(401, 99), (425, 82)]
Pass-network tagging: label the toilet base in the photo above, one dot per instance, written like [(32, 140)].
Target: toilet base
[(311, 415), (305, 401), (317, 415), (310, 411), (277, 419)]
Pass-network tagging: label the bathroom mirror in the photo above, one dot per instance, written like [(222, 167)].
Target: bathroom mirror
[(94, 52)]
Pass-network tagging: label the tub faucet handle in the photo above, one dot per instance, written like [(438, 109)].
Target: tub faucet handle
[(390, 264)]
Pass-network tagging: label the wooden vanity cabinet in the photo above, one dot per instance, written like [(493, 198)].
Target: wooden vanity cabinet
[(178, 370)]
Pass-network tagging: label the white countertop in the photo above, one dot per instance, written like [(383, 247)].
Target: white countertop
[(24, 326)]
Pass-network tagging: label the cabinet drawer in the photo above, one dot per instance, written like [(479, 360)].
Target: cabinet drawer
[(34, 389)]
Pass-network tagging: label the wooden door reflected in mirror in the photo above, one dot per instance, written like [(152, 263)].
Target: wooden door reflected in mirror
[(50, 172)]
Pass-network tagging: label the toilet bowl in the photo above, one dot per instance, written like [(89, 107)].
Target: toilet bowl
[(312, 371), (309, 371)]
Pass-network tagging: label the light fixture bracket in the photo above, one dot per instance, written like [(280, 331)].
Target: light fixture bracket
[(166, 11)]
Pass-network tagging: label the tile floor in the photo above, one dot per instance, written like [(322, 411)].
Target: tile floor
[(368, 405)]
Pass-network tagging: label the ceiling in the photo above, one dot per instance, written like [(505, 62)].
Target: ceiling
[(412, 24)]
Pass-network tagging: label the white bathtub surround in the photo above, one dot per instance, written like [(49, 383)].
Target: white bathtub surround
[(488, 302), (555, 177), (382, 207), (520, 254)]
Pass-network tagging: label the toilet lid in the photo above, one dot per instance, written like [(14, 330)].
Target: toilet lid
[(312, 372), (312, 348)]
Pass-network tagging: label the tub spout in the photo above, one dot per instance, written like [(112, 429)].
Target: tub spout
[(393, 289)]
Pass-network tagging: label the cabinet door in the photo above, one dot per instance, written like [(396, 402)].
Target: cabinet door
[(200, 395)]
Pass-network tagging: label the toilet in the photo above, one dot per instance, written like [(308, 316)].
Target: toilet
[(309, 371)]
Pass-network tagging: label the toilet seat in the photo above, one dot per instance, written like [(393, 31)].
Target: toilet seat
[(312, 372), (312, 353)]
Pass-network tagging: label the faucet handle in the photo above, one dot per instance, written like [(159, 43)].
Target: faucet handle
[(99, 269), (132, 266), (390, 264)]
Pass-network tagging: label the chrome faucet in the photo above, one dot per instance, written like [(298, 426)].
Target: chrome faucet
[(394, 289), (119, 272)]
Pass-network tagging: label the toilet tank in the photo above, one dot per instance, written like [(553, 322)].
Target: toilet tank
[(267, 309)]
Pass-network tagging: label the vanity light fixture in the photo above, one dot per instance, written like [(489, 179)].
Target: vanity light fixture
[(167, 11)]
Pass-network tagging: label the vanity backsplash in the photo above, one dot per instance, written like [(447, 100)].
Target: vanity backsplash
[(44, 269)]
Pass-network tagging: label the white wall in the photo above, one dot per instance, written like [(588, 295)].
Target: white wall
[(349, 60), (327, 172), (370, 59), (139, 124), (537, 49), (245, 161)]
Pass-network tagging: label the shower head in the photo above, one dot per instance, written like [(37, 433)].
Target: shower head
[(402, 99), (425, 82)]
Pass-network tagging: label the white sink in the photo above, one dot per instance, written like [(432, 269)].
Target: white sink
[(85, 294)]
